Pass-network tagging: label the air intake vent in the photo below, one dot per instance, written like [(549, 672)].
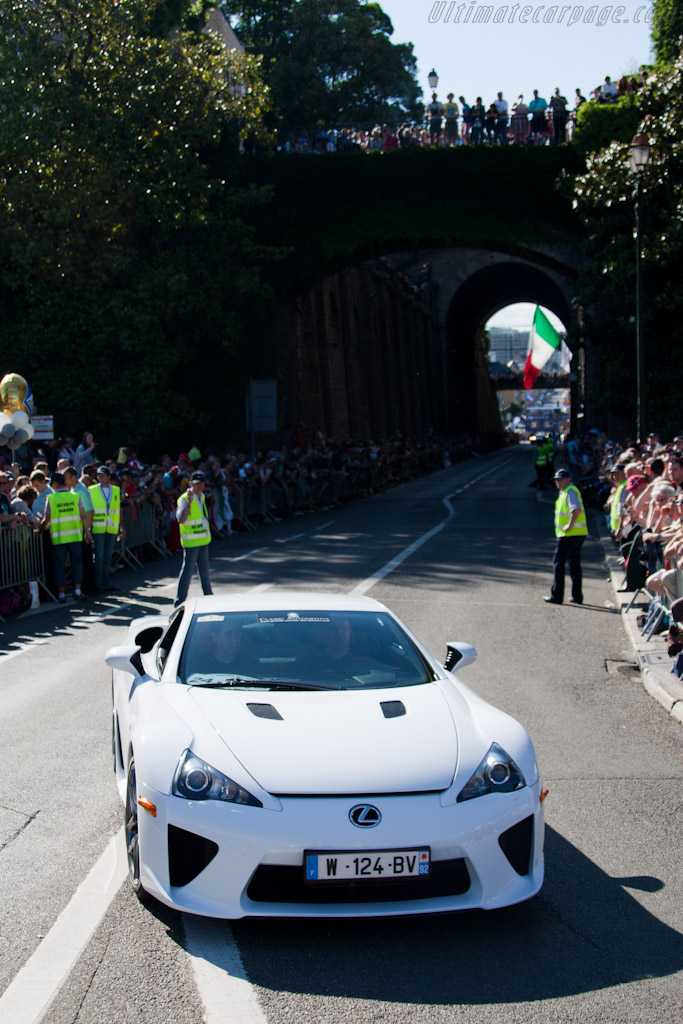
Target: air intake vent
[(265, 711), (392, 708)]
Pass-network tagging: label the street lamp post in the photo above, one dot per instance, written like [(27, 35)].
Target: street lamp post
[(639, 155), (433, 79)]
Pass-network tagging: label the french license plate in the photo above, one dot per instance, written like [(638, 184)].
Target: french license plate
[(343, 865)]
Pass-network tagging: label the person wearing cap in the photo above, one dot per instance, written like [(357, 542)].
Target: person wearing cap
[(106, 526), (571, 530), (195, 536)]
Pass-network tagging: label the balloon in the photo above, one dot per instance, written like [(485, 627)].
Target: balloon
[(20, 437), (20, 419), (13, 391), (3, 440), (7, 428), (30, 430)]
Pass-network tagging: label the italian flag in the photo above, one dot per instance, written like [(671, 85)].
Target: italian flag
[(543, 342)]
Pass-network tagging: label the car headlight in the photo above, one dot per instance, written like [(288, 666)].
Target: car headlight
[(196, 780), (497, 773)]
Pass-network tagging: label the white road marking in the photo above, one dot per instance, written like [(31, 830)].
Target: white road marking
[(286, 540), (29, 995), (225, 989), (324, 525), (240, 558)]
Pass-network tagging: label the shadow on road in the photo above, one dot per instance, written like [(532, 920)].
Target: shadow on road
[(585, 932)]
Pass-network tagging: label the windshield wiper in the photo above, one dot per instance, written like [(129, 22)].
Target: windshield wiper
[(267, 684)]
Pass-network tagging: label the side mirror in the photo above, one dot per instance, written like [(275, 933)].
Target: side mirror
[(125, 659), (147, 638), (459, 655)]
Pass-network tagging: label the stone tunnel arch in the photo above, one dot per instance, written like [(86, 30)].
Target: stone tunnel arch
[(471, 305)]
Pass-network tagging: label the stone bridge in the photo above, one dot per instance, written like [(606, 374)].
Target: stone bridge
[(392, 265)]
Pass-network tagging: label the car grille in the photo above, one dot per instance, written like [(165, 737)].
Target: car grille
[(274, 883), (188, 854), (516, 844)]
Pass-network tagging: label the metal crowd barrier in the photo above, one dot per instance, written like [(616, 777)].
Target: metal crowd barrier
[(139, 526), (21, 558)]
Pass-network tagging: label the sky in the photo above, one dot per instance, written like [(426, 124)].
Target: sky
[(572, 45)]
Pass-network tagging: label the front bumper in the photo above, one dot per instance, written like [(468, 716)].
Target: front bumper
[(227, 861)]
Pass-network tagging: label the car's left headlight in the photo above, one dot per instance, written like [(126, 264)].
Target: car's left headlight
[(196, 780), (497, 773)]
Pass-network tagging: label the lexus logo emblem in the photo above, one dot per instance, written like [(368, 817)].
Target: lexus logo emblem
[(365, 816)]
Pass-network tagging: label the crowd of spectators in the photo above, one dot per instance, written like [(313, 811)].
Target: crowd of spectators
[(243, 491), (641, 488), (459, 123)]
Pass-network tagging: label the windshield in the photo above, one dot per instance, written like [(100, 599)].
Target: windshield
[(315, 649)]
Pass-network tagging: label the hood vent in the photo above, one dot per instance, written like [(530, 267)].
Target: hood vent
[(393, 708), (265, 711)]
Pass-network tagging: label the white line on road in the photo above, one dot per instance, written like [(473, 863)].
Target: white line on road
[(286, 540), (240, 558), (29, 995), (223, 984)]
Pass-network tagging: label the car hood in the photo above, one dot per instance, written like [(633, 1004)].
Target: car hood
[(315, 742)]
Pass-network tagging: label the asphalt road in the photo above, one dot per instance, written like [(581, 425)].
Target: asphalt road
[(602, 942)]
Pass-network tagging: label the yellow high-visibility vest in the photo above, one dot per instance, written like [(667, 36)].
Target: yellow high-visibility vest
[(106, 519), (195, 531), (66, 526), (563, 514)]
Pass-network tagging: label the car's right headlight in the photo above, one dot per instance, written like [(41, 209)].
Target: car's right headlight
[(497, 773), (196, 780)]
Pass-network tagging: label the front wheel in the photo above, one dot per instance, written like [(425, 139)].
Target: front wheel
[(133, 834)]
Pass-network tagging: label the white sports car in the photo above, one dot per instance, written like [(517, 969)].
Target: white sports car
[(303, 755)]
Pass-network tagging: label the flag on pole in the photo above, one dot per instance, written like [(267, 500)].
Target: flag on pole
[(543, 342)]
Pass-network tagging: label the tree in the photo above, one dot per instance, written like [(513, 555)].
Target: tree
[(604, 198), (121, 249), (329, 62), (667, 30)]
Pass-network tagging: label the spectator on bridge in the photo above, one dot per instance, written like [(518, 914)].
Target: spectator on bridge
[(501, 127), (478, 115), (558, 105), (519, 123), (435, 115), (466, 124), (608, 91), (450, 110), (539, 124)]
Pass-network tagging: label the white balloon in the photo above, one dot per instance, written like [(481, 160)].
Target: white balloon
[(30, 430), (20, 419), (7, 429), (20, 437)]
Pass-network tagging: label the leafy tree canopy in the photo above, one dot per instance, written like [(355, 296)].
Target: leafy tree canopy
[(604, 198), (120, 247), (329, 62), (667, 29)]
